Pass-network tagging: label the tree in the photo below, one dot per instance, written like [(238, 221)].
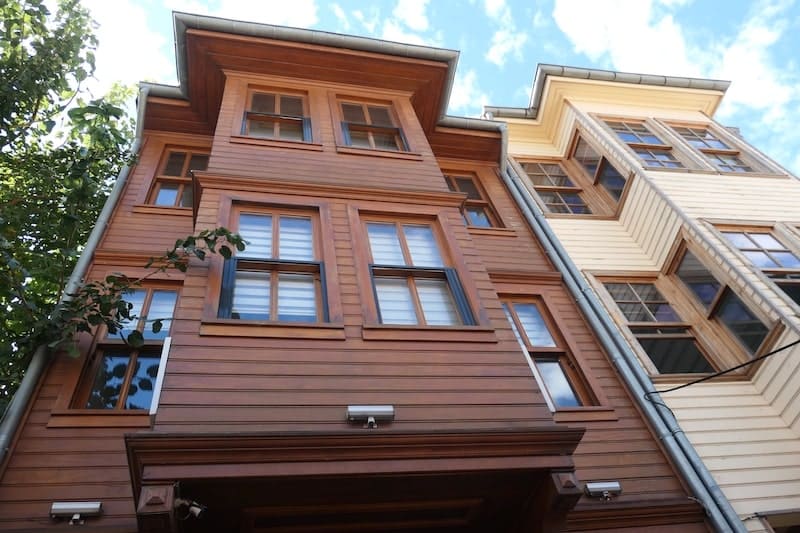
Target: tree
[(59, 155)]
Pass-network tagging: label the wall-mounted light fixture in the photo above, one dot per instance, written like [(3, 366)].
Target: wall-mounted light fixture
[(370, 414), (76, 511), (604, 490)]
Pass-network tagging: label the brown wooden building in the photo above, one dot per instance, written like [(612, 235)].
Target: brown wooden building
[(387, 265)]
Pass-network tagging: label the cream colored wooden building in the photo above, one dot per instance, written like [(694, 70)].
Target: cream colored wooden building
[(690, 238)]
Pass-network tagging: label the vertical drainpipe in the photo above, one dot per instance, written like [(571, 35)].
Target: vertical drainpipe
[(680, 450), (19, 403)]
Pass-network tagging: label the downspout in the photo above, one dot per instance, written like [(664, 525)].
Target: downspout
[(688, 463), (19, 403)]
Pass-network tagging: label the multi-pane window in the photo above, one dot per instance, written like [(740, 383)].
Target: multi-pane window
[(652, 151), (476, 210), (173, 183), (721, 303), (772, 257), (599, 169), (715, 150), (667, 340), (556, 189), (124, 377), (272, 115), (412, 283), (279, 276), (374, 126), (546, 352)]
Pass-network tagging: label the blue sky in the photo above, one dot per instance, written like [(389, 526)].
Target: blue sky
[(753, 44)]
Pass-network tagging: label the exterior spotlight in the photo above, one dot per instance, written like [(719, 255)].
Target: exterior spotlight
[(76, 511), (370, 414), (604, 490)]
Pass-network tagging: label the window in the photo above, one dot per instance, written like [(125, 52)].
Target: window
[(721, 303), (476, 210), (173, 183), (599, 169), (279, 276), (555, 188), (412, 284), (550, 360), (770, 255), (272, 115), (716, 151), (650, 149), (123, 377), (373, 126), (667, 340)]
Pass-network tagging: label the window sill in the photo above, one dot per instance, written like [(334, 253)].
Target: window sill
[(231, 327), (582, 216), (428, 333), (498, 232), (98, 418), (590, 413), (277, 143), (412, 156), (151, 209)]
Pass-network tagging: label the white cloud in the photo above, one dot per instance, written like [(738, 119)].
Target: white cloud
[(297, 13), (506, 39), (412, 13), (392, 30), (340, 15), (539, 19), (466, 97), (369, 22)]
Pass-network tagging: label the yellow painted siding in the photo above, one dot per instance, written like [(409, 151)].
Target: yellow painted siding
[(650, 221)]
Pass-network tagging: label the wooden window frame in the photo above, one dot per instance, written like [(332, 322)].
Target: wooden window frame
[(559, 190), (711, 155), (276, 266), (635, 327), (478, 203), (596, 177), (183, 181), (410, 272), (646, 152), (559, 353), (103, 343), (369, 128), (277, 118)]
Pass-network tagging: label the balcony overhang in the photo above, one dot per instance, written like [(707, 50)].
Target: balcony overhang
[(515, 480)]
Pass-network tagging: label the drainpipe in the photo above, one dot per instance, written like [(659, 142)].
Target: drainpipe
[(19, 403), (680, 450)]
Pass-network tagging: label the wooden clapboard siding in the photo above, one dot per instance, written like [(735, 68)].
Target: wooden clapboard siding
[(590, 242), (650, 220)]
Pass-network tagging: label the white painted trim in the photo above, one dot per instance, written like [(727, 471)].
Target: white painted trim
[(162, 368)]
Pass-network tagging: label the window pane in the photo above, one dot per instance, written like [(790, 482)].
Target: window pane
[(620, 291), (760, 259), (380, 116), (792, 290), (187, 198), (174, 166), (586, 156), (787, 259), (468, 186), (557, 384), (135, 298), (296, 242), (384, 244), (359, 139), (261, 128), (197, 162), (292, 131), (257, 231), (477, 216), (766, 241), (251, 294), (739, 240), (162, 306), (167, 193), (394, 301), (611, 180), (385, 141), (422, 245), (353, 113), (140, 391), (675, 356), (263, 103), (701, 282), (534, 325), (742, 323), (513, 325), (292, 106), (437, 304), (297, 298), (108, 381)]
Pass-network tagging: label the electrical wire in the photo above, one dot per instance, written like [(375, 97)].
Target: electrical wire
[(722, 372)]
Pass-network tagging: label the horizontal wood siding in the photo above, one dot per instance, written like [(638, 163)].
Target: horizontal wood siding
[(650, 221)]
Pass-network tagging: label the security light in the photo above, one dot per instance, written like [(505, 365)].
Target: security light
[(77, 511), (370, 414), (603, 489)]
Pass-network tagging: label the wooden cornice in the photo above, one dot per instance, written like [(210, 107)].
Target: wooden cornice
[(159, 458), (249, 184)]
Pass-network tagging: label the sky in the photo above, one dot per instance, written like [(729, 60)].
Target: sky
[(753, 44)]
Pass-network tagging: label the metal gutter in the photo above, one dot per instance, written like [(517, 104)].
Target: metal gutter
[(543, 70), (680, 450), (19, 403)]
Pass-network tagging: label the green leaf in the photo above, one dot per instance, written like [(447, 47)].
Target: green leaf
[(225, 252), (135, 339), (157, 325)]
